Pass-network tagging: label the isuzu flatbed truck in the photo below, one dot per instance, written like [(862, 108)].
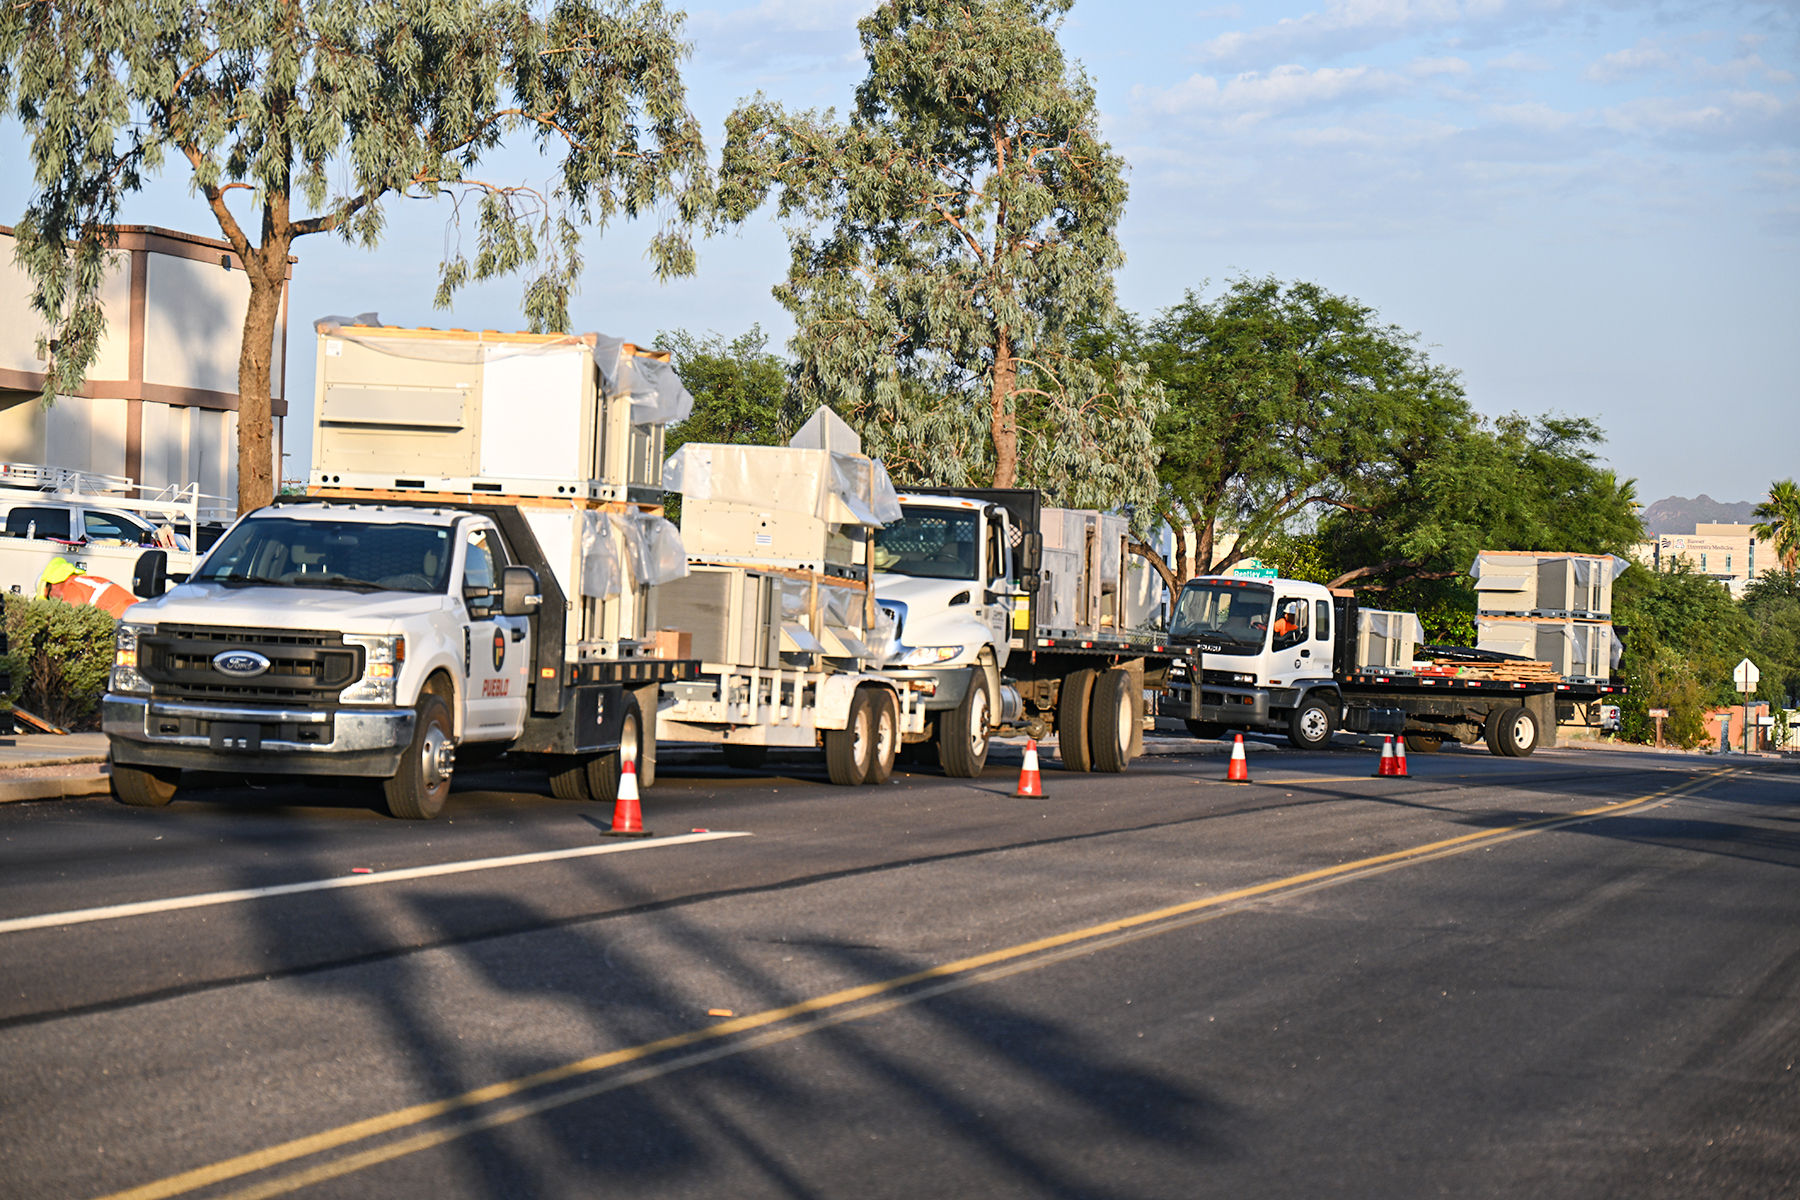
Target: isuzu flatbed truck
[(1279, 655)]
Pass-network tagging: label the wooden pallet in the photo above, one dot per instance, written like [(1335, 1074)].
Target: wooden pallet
[(1509, 672)]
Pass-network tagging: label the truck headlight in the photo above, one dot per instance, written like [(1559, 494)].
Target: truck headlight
[(125, 678), (383, 657), (927, 656)]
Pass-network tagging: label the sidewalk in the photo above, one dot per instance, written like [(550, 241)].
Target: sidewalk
[(45, 766)]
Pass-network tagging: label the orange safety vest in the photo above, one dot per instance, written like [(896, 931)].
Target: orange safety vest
[(91, 589)]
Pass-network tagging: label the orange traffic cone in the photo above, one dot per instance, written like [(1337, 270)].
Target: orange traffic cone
[(1400, 757), (1239, 770), (1030, 782), (628, 816), (1387, 758)]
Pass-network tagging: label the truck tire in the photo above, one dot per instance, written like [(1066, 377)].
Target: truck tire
[(604, 770), (1512, 732), (568, 777), (745, 757), (848, 750), (1424, 743), (885, 727), (144, 787), (963, 731), (419, 788), (1206, 731), (1311, 726), (1072, 719), (1110, 715)]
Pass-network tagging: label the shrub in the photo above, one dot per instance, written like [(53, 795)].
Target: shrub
[(59, 657)]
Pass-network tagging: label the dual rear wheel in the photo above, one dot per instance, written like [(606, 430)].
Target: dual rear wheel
[(596, 776), (864, 750), (1096, 712)]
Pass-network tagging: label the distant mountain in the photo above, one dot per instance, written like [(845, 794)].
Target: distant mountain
[(1678, 514)]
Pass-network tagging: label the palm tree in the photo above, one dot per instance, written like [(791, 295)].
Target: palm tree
[(1779, 522)]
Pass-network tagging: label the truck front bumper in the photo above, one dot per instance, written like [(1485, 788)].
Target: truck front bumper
[(257, 739), (947, 685), (1219, 705)]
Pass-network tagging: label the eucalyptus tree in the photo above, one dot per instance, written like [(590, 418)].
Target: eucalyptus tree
[(321, 111), (946, 240)]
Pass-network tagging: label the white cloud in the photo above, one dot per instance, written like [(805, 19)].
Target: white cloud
[(1721, 121), (1742, 68), (1426, 67), (1642, 59), (1530, 115), (1350, 25), (1256, 95), (1518, 61), (781, 35)]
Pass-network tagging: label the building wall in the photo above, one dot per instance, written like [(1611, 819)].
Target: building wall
[(160, 404), (1729, 553)]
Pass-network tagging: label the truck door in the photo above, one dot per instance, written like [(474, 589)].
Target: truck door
[(996, 578), (496, 648), (1321, 639), (1290, 641)]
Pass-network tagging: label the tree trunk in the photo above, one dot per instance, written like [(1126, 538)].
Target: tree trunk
[(1149, 555), (1002, 424), (1181, 544), (267, 268), (1203, 550)]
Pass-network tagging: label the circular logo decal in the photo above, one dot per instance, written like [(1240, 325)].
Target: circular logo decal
[(240, 664), (499, 648)]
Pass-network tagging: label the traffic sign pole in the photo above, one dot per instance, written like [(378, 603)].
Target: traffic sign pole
[(1746, 676)]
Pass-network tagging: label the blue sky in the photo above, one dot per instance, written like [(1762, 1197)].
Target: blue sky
[(1586, 207)]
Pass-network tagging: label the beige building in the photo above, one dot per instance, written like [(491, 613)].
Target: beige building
[(160, 404), (1730, 554)]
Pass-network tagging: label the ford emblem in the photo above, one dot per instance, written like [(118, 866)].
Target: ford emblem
[(240, 663)]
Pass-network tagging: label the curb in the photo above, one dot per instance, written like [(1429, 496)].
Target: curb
[(55, 787), (25, 764)]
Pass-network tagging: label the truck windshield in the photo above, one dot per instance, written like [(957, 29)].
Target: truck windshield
[(1234, 617), (931, 543), (331, 554)]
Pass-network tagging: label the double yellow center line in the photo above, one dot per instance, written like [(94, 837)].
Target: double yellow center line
[(849, 1004)]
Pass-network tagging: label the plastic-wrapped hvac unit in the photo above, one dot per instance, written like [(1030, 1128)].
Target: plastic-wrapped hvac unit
[(1576, 650), (1522, 583), (805, 506), (1506, 583), (1387, 639), (500, 414), (1575, 586), (610, 564)]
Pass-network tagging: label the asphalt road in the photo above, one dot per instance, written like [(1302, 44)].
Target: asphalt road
[(1574, 975)]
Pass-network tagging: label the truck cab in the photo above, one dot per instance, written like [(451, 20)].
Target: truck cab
[(328, 639), (1267, 649), (943, 574)]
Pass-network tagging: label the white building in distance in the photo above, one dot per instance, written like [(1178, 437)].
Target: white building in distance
[(160, 403)]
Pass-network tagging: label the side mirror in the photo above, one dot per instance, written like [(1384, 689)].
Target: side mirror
[(1031, 553), (519, 593), (150, 577), (1030, 583)]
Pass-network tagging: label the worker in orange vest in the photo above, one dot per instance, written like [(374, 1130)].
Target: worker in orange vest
[(62, 580)]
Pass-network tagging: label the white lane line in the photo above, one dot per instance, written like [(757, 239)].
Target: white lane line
[(113, 912)]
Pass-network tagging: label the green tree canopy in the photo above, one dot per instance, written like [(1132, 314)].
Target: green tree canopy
[(320, 111), (946, 240), (1284, 399), (740, 390), (1517, 484)]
